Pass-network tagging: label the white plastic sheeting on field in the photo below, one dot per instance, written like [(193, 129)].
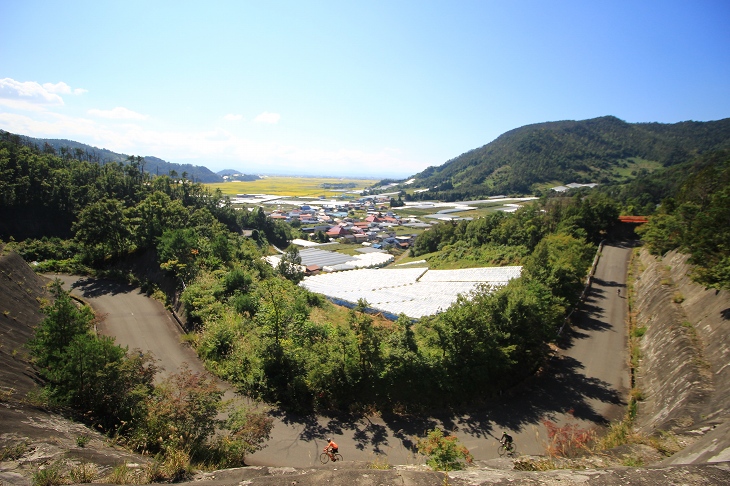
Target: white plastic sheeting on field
[(415, 292), (331, 261)]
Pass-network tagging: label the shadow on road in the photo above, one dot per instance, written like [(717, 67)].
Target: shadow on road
[(90, 287), (563, 389)]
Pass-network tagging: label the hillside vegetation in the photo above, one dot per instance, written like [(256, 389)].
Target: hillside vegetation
[(601, 150), (256, 327), (696, 220), (153, 165), (275, 340)]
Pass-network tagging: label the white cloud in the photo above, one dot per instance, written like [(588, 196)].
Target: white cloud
[(232, 117), (213, 148), (27, 95), (63, 88), (118, 113), (267, 117)]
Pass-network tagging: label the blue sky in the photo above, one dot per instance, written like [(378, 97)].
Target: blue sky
[(371, 88)]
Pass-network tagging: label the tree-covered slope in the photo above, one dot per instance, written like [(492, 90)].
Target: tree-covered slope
[(599, 150), (153, 165)]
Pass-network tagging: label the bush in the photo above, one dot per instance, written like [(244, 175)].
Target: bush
[(14, 452), (568, 440), (81, 441), (172, 466), (248, 431), (445, 453), (638, 332), (180, 414), (50, 475), (83, 473), (121, 474)]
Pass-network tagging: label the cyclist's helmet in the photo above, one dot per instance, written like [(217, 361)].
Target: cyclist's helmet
[(329, 440)]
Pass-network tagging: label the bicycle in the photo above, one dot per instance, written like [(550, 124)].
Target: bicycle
[(325, 456), (510, 449)]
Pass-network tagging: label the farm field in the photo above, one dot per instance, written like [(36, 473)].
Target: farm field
[(291, 186), (413, 291), (480, 209)]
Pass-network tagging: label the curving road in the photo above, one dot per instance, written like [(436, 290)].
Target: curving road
[(586, 383), (135, 321)]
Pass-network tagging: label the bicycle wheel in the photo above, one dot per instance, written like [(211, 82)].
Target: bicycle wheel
[(512, 449), (502, 450), (338, 457), (324, 457)]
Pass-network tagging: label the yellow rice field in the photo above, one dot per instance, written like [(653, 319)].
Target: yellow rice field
[(291, 186)]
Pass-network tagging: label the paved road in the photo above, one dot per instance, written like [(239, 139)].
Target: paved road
[(586, 383), (135, 321)]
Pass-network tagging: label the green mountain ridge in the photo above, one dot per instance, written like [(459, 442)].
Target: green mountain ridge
[(153, 165), (602, 150)]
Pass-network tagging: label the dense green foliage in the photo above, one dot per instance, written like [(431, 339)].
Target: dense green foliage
[(84, 373), (444, 452), (153, 165), (253, 324), (274, 340), (585, 151), (257, 331), (697, 221), (587, 217), (114, 209), (109, 388)]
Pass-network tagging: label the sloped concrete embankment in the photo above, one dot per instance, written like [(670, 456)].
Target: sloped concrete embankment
[(684, 373), (19, 314)]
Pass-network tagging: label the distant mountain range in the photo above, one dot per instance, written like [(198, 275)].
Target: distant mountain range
[(525, 160), (601, 150), (153, 165)]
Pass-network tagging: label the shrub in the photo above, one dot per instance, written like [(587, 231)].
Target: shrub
[(83, 473), (181, 411), (176, 465), (380, 462), (568, 440), (121, 474), (248, 431), (444, 453), (172, 466), (13, 452), (6, 393), (81, 441), (638, 332), (50, 475)]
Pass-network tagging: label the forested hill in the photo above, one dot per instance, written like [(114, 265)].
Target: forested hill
[(600, 150), (153, 165)]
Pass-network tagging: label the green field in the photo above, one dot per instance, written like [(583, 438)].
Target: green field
[(291, 186)]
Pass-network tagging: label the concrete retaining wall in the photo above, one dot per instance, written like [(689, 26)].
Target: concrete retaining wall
[(684, 373)]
